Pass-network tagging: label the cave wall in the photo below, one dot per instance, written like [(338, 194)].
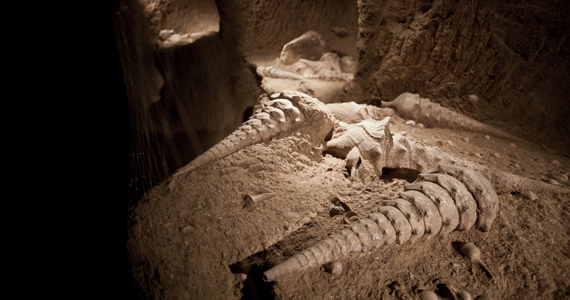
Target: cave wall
[(514, 55), (182, 16), (263, 27)]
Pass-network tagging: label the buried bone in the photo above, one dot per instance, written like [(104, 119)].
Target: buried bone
[(276, 117), (387, 226), (412, 107)]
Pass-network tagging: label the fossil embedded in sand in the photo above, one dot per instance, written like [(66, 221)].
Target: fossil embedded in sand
[(396, 222), (277, 117), (310, 46), (411, 106), (273, 72)]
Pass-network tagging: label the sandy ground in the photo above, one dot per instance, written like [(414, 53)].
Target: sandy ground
[(192, 238)]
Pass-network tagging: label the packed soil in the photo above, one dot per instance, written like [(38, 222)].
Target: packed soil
[(193, 237)]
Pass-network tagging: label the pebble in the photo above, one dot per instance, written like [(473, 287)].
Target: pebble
[(411, 123), (242, 277), (517, 166), (513, 145), (473, 99), (552, 181), (334, 267), (420, 125), (479, 155), (496, 154), (450, 143), (429, 295), (465, 139), (487, 137), (558, 177), (165, 34), (556, 163), (530, 195)]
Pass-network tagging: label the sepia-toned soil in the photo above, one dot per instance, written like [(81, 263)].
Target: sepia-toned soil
[(193, 238)]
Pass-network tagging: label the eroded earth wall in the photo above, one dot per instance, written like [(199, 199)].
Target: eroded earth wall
[(513, 55), (263, 27)]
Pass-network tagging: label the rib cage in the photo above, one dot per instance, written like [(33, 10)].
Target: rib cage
[(393, 221)]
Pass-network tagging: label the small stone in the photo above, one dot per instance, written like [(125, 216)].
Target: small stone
[(465, 139), (530, 195), (552, 181), (487, 137), (479, 155), (242, 276), (517, 166), (513, 145), (411, 123), (165, 34), (473, 99), (496, 154), (562, 178), (334, 267), (420, 125), (556, 163), (450, 143)]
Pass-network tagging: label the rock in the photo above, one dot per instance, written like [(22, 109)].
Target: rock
[(479, 155), (497, 155), (465, 139), (552, 181), (473, 99), (340, 31), (556, 163), (334, 267), (348, 64), (513, 145), (487, 137), (561, 178), (420, 125), (411, 123), (529, 195), (309, 46), (165, 34)]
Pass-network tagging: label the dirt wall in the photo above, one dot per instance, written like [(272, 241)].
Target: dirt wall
[(263, 27), (513, 55)]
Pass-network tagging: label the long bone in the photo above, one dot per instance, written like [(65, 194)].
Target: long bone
[(367, 233)]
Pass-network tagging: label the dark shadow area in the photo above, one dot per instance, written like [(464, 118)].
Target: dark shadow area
[(254, 286), (410, 175)]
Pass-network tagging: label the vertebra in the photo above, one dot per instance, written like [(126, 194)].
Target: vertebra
[(411, 107), (398, 221), (275, 117)]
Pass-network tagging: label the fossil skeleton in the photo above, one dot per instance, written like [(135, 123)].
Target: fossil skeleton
[(278, 116), (412, 107), (403, 219)]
